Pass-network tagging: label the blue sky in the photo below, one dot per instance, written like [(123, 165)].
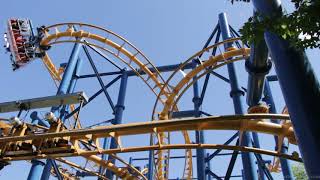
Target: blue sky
[(167, 31)]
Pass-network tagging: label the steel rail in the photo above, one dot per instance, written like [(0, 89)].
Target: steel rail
[(156, 147), (169, 105), (70, 32), (51, 39), (81, 168), (56, 76), (249, 122), (106, 41)]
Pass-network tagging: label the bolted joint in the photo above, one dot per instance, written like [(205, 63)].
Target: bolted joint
[(236, 92), (196, 100), (258, 71), (119, 107)]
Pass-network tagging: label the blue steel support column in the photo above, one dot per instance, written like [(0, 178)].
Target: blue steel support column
[(256, 142), (66, 81), (36, 169), (150, 160), (63, 89), (208, 168), (118, 111), (201, 173), (237, 97), (300, 89), (75, 75), (285, 164), (37, 165), (257, 67), (106, 144)]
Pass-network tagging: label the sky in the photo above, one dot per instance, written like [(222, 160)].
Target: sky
[(167, 32)]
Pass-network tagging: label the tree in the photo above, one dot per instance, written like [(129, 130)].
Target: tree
[(301, 27), (299, 172)]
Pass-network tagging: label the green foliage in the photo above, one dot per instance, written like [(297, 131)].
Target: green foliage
[(299, 172), (301, 27)]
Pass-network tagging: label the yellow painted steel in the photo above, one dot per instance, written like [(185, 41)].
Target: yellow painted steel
[(51, 39), (145, 65), (249, 122), (81, 168), (178, 90), (167, 94)]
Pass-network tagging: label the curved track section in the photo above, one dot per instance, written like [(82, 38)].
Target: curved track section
[(106, 40), (164, 110)]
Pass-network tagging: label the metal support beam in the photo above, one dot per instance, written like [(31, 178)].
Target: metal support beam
[(232, 163), (219, 150), (256, 144), (151, 159), (285, 164), (37, 165), (98, 77), (208, 168), (63, 89), (118, 112), (257, 67), (106, 143), (209, 172), (56, 169), (237, 97), (183, 114), (299, 86), (199, 134), (36, 169), (42, 102), (93, 96)]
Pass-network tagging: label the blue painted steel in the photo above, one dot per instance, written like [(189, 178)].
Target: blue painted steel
[(75, 74), (257, 67), (184, 114), (150, 160), (285, 164), (94, 96), (106, 144), (271, 78), (232, 163), (216, 153), (36, 169), (63, 89), (37, 120), (98, 77), (56, 169), (256, 143), (46, 170), (199, 134), (208, 168), (37, 165), (73, 84), (237, 97), (69, 71), (300, 89), (118, 112)]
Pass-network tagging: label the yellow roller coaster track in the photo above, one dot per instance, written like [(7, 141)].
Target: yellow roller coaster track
[(135, 59), (166, 93), (183, 84), (249, 122)]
